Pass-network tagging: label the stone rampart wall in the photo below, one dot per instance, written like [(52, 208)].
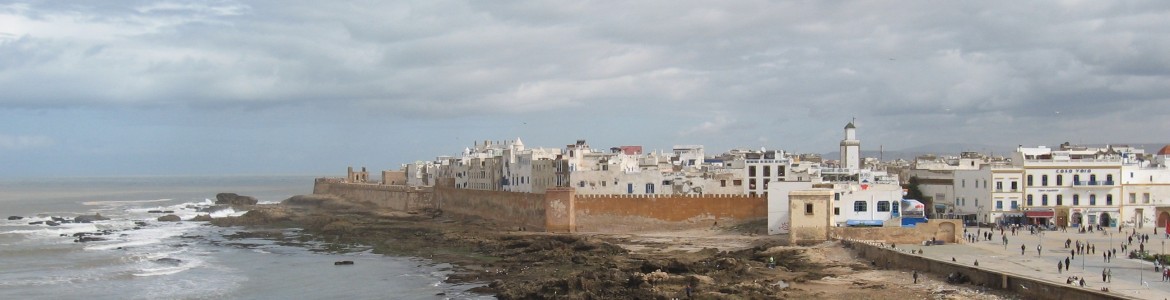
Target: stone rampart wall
[(509, 209), (623, 213), (396, 197), (1025, 287)]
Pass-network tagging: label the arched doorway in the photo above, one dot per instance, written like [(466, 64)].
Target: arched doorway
[(1105, 219), (1163, 218), (1077, 219), (946, 232)]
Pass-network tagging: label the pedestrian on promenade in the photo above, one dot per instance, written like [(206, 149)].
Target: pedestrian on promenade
[(1022, 248), (1037, 249), (915, 276), (1066, 261), (1059, 266), (1004, 240), (1104, 275), (1073, 253)]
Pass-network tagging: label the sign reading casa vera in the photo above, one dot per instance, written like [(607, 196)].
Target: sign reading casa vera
[(1070, 171)]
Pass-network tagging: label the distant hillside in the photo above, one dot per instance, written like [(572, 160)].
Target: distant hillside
[(956, 148)]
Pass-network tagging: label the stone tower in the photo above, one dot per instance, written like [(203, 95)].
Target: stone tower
[(851, 149)]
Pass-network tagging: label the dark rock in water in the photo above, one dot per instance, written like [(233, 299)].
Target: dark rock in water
[(169, 218), (343, 263), (154, 211), (57, 219), (51, 223), (140, 223), (90, 219), (234, 199), (202, 218), (36, 223), (86, 239), (169, 261), (168, 211), (13, 218), (214, 208)]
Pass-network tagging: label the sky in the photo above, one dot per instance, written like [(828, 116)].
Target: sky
[(125, 88)]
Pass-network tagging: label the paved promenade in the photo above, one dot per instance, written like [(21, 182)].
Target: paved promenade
[(1131, 277)]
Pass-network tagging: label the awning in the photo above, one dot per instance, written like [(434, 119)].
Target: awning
[(1040, 214), (864, 223), (1013, 215)]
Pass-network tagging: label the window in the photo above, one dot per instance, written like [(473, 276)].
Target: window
[(1109, 179), (629, 188), (999, 185), (1092, 199), (1015, 186), (723, 183), (1076, 179), (883, 206), (1044, 200), (1029, 180), (767, 171), (1076, 199), (859, 206), (766, 181), (1109, 199), (1015, 205), (808, 208), (751, 171), (836, 211), (1093, 179), (1029, 200), (737, 182), (999, 205), (581, 184), (836, 196), (1059, 200), (649, 188), (1146, 198), (1043, 180), (1059, 179), (752, 184), (963, 183), (1132, 198)]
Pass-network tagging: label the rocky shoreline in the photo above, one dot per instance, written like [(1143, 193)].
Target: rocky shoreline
[(720, 263)]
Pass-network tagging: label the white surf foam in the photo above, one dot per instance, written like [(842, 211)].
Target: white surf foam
[(122, 202)]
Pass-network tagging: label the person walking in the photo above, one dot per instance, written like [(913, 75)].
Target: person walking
[(1022, 249), (1059, 266), (1104, 275), (915, 276), (1037, 249)]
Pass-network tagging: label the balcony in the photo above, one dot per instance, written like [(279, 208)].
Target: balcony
[(1091, 184)]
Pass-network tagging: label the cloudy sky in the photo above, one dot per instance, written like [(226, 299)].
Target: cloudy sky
[(114, 87)]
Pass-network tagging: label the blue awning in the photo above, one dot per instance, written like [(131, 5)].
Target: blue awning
[(864, 222)]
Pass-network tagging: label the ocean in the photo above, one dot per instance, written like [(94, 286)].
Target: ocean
[(142, 258)]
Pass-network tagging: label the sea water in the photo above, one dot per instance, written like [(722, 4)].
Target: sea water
[(142, 258)]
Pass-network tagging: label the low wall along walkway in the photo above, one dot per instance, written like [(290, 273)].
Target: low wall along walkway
[(1027, 288)]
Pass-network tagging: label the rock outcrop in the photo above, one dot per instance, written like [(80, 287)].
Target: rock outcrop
[(202, 218), (260, 215), (234, 200), (89, 219), (169, 218), (14, 218)]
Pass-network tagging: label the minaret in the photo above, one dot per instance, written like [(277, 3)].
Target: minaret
[(851, 149)]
